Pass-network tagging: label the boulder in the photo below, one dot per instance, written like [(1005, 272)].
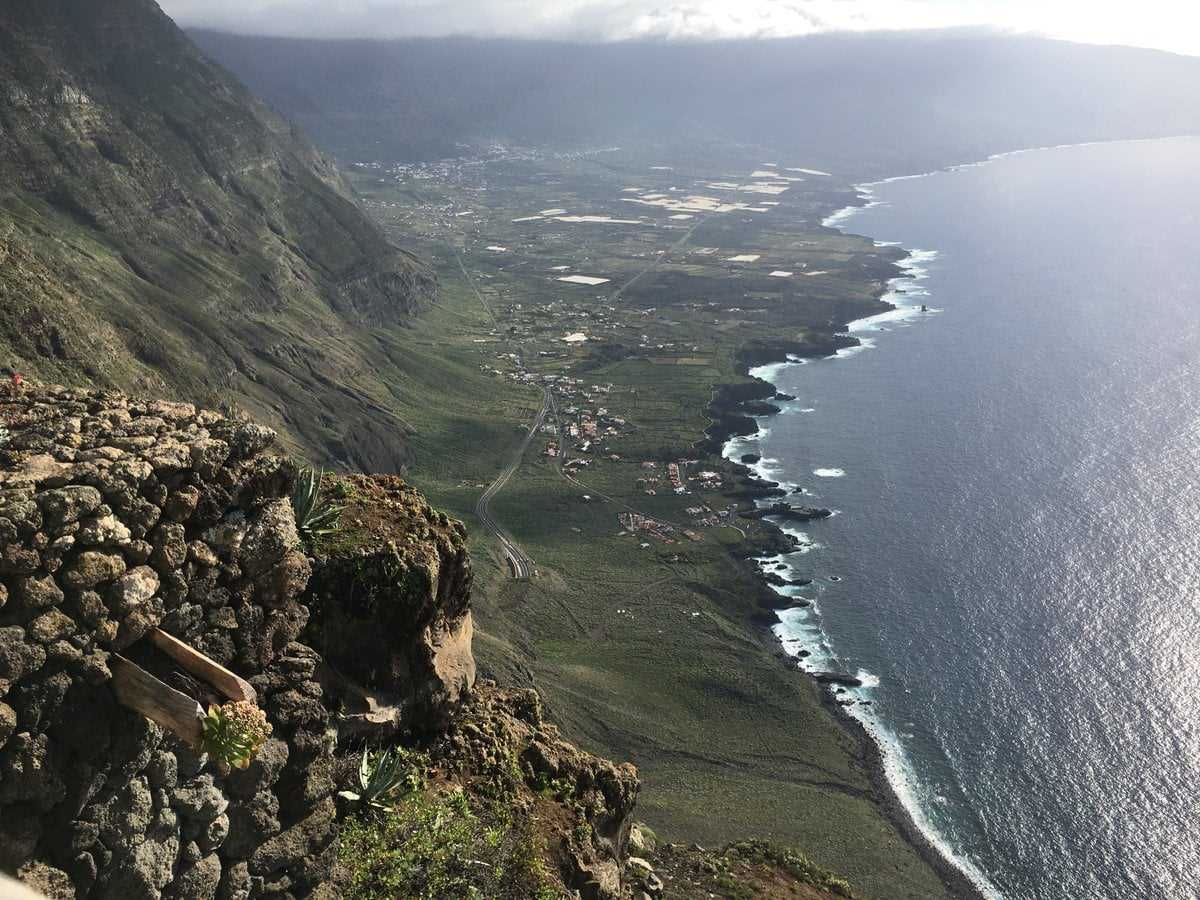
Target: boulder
[(208, 456), (145, 872), (199, 800), (304, 839), (124, 816), (65, 505), (106, 530), (50, 627), (92, 568), (49, 882), (248, 439), (35, 592), (18, 658), (8, 723), (26, 775), (170, 547), (133, 589), (200, 881), (270, 537), (181, 503)]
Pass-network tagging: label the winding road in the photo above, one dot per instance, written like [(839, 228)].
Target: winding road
[(518, 560)]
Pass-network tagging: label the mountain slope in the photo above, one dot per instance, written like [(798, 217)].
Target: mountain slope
[(161, 230), (870, 105)]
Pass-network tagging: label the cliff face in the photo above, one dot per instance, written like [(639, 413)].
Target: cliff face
[(122, 521), (161, 230)]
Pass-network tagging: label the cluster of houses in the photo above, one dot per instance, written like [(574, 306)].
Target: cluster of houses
[(708, 517), (636, 523)]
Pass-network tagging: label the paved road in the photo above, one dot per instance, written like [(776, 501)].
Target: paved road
[(519, 562)]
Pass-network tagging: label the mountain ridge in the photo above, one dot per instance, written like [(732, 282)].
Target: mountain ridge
[(872, 105), (164, 232)]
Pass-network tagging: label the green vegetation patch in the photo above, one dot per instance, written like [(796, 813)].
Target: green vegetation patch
[(436, 846)]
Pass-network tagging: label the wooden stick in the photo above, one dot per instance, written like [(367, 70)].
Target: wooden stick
[(142, 692), (232, 686)]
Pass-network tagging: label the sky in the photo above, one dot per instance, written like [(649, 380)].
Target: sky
[(1162, 24)]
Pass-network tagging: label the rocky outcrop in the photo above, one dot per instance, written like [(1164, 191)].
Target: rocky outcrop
[(787, 512), (390, 608), (595, 797), (121, 519), (117, 517)]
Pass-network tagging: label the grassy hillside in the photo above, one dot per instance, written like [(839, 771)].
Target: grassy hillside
[(161, 231)]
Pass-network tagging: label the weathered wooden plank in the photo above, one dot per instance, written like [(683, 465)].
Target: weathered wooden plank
[(142, 692), (191, 659)]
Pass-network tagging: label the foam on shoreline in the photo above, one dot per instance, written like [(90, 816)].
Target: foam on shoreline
[(800, 629)]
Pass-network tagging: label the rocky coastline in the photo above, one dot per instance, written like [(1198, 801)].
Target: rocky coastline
[(732, 411), (128, 526)]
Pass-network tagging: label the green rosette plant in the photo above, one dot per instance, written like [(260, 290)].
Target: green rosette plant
[(382, 776), (233, 732)]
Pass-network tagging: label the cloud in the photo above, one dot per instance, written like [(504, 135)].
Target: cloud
[(1166, 24), (602, 20)]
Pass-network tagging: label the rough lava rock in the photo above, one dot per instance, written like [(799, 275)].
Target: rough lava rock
[(118, 515), (108, 511)]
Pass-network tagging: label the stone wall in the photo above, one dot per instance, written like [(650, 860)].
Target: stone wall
[(117, 516), (120, 516)]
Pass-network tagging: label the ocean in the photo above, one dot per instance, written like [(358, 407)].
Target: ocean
[(1014, 567)]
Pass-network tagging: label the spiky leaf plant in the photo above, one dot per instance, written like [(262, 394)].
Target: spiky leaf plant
[(381, 776), (315, 516)]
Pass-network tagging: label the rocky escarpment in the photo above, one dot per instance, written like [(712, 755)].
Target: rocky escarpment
[(162, 231), (121, 520), (581, 804), (390, 605)]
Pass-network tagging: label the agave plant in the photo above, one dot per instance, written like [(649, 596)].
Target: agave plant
[(315, 516), (380, 777)]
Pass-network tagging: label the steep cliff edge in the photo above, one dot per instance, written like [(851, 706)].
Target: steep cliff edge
[(161, 230), (132, 528)]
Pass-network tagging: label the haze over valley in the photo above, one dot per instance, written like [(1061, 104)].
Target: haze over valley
[(596, 452)]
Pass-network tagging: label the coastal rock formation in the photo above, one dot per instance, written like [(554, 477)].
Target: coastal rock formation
[(787, 512)]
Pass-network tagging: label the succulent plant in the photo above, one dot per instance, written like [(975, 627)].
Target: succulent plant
[(380, 777), (233, 732), (315, 516)]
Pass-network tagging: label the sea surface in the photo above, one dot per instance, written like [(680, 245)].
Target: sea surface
[(1014, 569)]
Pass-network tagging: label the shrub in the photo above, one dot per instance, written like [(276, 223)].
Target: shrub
[(432, 846), (795, 864)]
